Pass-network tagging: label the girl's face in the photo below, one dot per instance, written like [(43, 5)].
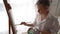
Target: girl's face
[(42, 9)]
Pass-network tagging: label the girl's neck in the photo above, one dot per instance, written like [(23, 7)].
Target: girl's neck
[(44, 15)]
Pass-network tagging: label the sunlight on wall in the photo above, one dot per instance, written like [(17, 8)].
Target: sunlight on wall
[(3, 22), (23, 10)]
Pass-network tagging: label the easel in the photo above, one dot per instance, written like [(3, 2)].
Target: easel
[(11, 24)]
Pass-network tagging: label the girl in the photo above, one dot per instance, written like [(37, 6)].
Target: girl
[(44, 22)]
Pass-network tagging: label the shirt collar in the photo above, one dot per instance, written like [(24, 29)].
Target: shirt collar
[(48, 16)]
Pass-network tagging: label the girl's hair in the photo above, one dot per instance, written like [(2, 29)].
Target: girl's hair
[(44, 2)]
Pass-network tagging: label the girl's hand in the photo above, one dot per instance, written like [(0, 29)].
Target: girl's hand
[(23, 23)]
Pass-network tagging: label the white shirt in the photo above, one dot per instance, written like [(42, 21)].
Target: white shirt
[(38, 21), (48, 24)]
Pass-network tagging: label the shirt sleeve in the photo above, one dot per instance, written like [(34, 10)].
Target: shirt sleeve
[(54, 27)]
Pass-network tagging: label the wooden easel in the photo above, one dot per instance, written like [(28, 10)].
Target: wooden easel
[(11, 24)]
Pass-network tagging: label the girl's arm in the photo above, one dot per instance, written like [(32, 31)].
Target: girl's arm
[(24, 23)]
